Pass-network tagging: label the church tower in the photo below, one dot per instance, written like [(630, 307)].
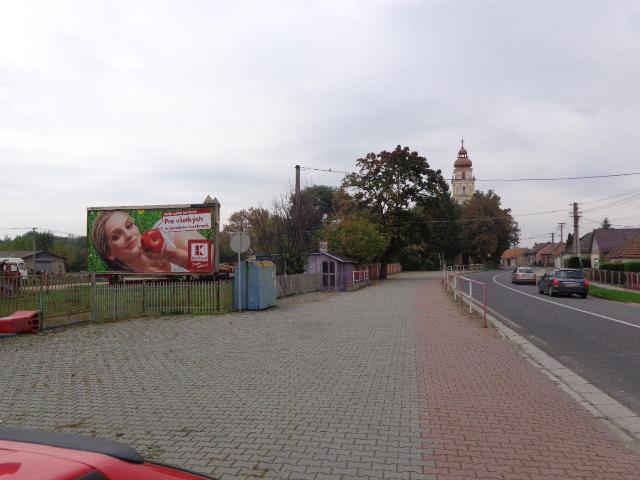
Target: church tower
[(463, 183)]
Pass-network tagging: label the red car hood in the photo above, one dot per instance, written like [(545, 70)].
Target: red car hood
[(20, 465)]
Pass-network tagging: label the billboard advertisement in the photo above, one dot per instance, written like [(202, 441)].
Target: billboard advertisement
[(153, 239)]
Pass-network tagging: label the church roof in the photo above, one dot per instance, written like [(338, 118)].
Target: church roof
[(463, 159)]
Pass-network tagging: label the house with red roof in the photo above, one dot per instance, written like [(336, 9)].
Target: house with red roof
[(629, 252), (514, 257), (606, 241)]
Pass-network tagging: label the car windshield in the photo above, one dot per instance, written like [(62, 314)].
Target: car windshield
[(525, 270), (569, 274)]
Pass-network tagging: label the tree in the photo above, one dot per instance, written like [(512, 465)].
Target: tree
[(487, 229), (605, 224), (355, 237), (569, 241), (388, 186)]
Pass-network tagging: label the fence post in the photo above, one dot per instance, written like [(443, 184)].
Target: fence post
[(94, 298), (484, 323), (455, 288), (470, 297)]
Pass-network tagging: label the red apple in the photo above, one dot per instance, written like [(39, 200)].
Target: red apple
[(152, 241)]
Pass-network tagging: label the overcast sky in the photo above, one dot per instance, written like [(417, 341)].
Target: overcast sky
[(159, 102)]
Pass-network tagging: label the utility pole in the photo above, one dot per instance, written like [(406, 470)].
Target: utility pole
[(297, 180), (553, 238), (562, 224), (576, 232), (33, 256)]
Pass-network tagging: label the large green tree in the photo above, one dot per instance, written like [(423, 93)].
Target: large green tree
[(388, 186), (487, 228), (356, 237)]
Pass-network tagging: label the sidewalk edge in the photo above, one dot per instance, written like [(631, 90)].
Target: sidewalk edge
[(617, 418)]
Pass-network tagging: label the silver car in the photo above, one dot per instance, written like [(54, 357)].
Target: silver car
[(523, 275)]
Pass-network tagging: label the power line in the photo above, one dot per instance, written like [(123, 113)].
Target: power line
[(539, 179)]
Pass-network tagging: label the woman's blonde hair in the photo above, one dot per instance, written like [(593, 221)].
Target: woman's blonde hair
[(101, 242)]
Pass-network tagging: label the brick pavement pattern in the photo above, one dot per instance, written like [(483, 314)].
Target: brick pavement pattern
[(323, 387), (389, 382), (489, 414)]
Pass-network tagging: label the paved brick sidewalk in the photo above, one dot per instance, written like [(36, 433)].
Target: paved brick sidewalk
[(490, 414), (323, 387)]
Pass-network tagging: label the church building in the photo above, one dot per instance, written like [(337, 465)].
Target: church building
[(463, 183)]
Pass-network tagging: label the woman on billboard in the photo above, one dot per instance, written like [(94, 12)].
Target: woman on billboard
[(118, 241)]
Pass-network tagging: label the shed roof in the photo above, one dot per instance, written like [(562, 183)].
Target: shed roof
[(23, 254), (335, 256)]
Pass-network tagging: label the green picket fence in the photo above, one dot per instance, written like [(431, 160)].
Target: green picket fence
[(69, 298), (128, 300)]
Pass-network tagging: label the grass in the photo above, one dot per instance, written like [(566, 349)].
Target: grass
[(615, 295)]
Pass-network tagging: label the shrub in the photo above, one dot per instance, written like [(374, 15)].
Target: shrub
[(573, 262), (632, 267), (614, 267)]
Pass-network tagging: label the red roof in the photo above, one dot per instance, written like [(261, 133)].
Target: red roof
[(611, 239), (629, 250), (514, 253)]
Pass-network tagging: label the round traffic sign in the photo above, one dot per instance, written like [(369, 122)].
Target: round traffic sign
[(240, 242)]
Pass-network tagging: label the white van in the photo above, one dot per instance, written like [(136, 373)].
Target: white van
[(18, 263)]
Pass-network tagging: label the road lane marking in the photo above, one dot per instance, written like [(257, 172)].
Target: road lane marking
[(562, 305)]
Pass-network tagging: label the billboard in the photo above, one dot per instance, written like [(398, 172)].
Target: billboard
[(152, 239)]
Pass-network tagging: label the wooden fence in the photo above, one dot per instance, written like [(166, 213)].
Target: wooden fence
[(374, 269), (71, 298), (301, 283)]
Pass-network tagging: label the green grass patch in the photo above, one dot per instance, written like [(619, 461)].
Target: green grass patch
[(616, 295)]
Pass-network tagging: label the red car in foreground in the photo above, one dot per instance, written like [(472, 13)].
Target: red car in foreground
[(35, 455)]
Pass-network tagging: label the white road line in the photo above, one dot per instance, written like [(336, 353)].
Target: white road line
[(562, 305)]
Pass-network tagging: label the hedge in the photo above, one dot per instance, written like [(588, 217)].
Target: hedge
[(613, 267), (632, 267)]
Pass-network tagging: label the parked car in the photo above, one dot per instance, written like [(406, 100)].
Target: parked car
[(523, 275), (35, 455), (564, 280)]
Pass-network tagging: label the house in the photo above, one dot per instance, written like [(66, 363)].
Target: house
[(546, 255), (608, 240), (45, 262), (629, 252), (585, 249), (533, 254), (337, 270), (514, 257), (557, 254)]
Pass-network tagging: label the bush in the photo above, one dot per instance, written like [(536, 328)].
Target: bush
[(632, 267), (573, 262), (613, 267)]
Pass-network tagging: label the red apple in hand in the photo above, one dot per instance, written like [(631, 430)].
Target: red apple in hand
[(152, 241)]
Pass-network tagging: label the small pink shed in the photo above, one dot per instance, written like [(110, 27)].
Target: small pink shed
[(336, 270)]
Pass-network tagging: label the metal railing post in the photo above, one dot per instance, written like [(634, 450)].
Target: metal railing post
[(470, 297), (484, 324), (455, 288)]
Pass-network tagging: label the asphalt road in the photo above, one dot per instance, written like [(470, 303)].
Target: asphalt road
[(598, 339)]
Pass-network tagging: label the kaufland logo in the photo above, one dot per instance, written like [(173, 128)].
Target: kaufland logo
[(199, 252)]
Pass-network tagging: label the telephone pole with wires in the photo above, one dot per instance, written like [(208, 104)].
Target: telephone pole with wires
[(576, 232), (561, 224)]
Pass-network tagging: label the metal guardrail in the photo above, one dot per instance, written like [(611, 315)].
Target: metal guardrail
[(462, 288)]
